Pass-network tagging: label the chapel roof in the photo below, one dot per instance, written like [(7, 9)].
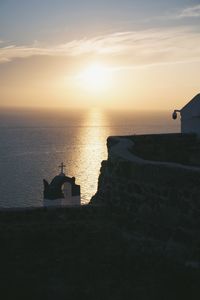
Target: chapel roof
[(194, 101)]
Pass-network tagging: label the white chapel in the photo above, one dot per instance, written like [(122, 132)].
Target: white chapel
[(190, 116)]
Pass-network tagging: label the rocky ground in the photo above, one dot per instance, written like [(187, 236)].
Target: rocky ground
[(94, 253)]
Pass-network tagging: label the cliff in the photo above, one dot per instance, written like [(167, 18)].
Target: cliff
[(156, 178)]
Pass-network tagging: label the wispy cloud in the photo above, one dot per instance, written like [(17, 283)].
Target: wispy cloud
[(193, 11), (155, 46), (188, 12)]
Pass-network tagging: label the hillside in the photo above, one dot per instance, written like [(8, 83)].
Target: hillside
[(90, 253)]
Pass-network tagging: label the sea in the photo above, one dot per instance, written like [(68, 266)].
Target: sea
[(34, 142)]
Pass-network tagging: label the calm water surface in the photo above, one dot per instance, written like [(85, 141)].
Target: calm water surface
[(33, 143)]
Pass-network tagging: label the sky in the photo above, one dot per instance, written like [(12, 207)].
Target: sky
[(115, 54)]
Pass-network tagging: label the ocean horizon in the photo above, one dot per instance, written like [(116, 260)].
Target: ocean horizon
[(35, 142)]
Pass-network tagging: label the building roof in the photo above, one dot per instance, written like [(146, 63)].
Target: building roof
[(195, 101)]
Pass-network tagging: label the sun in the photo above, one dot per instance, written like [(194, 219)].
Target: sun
[(96, 77)]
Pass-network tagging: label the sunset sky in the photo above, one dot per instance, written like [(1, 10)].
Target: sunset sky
[(130, 54)]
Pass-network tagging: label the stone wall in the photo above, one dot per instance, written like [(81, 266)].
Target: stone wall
[(138, 184), (177, 148)]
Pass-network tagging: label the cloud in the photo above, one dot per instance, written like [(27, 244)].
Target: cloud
[(188, 12), (193, 11), (153, 46)]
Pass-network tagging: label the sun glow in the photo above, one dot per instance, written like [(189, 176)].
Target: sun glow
[(96, 78)]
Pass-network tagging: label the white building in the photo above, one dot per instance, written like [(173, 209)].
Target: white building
[(190, 116)]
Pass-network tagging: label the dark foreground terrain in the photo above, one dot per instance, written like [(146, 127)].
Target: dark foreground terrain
[(90, 253)]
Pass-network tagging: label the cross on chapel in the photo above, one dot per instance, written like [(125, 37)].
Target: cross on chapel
[(62, 166)]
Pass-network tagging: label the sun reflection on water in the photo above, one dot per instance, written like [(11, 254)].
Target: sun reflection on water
[(86, 161)]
